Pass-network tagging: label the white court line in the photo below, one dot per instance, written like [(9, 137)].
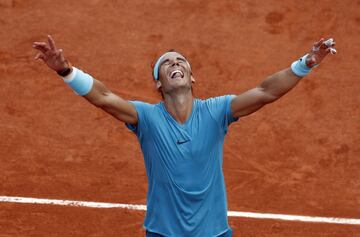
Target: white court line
[(333, 220)]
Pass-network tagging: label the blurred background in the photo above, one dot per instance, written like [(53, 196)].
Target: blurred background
[(297, 156)]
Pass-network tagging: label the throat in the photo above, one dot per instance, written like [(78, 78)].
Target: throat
[(179, 108)]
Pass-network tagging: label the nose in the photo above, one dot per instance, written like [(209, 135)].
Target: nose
[(175, 63)]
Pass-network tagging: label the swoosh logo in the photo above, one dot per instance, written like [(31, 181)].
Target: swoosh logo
[(182, 142)]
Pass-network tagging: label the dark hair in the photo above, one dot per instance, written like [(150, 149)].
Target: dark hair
[(152, 69), (153, 65), (154, 62)]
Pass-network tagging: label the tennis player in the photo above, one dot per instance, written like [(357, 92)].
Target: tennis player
[(182, 137)]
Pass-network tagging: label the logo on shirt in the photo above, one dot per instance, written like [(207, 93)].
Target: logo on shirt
[(182, 142)]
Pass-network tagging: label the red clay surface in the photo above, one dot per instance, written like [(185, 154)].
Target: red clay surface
[(299, 155)]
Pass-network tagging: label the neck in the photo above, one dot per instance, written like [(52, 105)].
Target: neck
[(179, 105)]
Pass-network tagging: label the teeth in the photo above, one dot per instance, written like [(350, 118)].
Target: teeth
[(176, 71)]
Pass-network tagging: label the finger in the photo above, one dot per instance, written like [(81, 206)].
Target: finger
[(39, 44), (40, 48), (317, 44), (329, 42), (331, 50), (61, 54), (40, 56), (43, 47), (51, 42), (323, 46)]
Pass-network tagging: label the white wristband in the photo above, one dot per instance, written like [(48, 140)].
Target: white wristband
[(300, 68), (79, 81)]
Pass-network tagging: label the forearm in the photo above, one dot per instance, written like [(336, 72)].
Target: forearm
[(85, 85), (98, 94), (278, 84)]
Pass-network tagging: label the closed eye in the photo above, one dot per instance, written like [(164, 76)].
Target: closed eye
[(181, 60), (166, 62)]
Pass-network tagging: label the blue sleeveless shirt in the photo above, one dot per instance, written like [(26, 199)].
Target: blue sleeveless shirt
[(186, 190)]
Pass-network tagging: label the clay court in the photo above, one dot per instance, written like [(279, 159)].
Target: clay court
[(297, 156)]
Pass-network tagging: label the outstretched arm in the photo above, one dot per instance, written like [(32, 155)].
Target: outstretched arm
[(103, 98), (98, 94), (278, 84)]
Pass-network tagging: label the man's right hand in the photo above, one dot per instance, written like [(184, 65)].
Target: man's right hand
[(99, 95), (53, 57)]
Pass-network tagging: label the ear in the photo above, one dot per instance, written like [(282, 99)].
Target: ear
[(158, 84), (192, 79)]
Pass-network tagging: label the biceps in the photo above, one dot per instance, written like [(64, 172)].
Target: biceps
[(249, 102), (103, 98), (119, 108)]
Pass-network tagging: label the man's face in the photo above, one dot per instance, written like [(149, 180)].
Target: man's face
[(174, 72)]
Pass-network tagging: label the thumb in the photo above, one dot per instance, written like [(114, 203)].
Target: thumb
[(40, 56)]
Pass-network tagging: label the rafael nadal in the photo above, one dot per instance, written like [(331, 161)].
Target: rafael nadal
[(182, 137)]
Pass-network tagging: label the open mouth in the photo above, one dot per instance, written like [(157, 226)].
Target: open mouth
[(176, 74)]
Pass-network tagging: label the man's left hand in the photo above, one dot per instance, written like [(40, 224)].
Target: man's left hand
[(319, 51)]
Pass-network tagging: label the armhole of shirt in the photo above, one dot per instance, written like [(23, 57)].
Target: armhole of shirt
[(228, 118), (137, 128)]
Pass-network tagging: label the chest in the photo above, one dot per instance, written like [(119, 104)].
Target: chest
[(189, 154), (196, 138)]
